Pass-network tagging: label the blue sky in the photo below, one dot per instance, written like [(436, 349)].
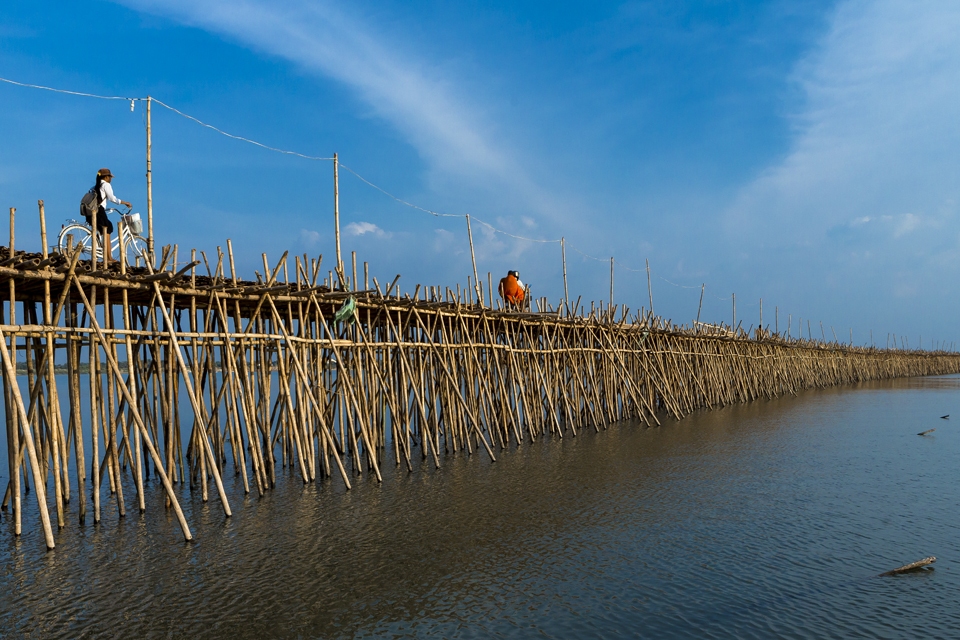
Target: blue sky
[(803, 153)]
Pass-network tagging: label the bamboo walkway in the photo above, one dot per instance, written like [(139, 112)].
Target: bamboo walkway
[(114, 376)]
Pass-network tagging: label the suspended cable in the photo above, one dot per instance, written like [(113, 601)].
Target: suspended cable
[(323, 158), (401, 201), (587, 255), (441, 215), (71, 93), (682, 286), (623, 266), (235, 137), (490, 226)]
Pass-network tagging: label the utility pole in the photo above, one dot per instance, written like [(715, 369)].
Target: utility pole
[(336, 212), (611, 285), (150, 184), (649, 289), (563, 257), (473, 258), (700, 306)]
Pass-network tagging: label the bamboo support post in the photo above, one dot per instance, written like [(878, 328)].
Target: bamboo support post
[(272, 381)]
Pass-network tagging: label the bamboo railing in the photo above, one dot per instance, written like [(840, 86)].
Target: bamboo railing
[(185, 377)]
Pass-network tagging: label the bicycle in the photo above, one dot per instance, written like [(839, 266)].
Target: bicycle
[(75, 233)]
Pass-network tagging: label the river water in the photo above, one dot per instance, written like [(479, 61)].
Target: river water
[(771, 519)]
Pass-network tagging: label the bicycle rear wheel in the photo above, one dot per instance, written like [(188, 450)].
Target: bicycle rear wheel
[(72, 236)]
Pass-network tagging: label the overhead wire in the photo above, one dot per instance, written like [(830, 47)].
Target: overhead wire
[(507, 233), (72, 93), (442, 215), (586, 255), (236, 137), (682, 286), (623, 266), (369, 183), (401, 200), (278, 150)]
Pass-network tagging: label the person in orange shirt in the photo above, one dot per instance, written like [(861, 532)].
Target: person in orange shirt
[(511, 290)]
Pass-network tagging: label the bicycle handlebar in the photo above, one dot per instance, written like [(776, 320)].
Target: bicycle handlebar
[(115, 210)]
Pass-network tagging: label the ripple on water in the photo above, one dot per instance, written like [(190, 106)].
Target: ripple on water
[(765, 520)]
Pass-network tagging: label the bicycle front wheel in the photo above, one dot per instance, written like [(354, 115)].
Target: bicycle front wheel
[(72, 236), (136, 252)]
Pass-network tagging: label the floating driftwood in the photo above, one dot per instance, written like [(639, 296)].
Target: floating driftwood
[(923, 433), (913, 566), (270, 380)]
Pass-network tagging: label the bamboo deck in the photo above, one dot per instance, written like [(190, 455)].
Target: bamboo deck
[(133, 374)]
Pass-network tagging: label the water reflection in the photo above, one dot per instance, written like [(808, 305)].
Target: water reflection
[(768, 519)]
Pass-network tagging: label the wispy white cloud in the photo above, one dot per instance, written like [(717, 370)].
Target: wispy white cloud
[(908, 222), (309, 237), (450, 130), (877, 134), (447, 242), (361, 228)]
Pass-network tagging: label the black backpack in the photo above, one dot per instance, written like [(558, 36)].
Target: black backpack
[(90, 202)]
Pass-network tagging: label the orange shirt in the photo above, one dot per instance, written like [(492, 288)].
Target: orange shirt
[(511, 291)]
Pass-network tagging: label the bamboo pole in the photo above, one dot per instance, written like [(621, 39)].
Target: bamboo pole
[(39, 485), (473, 259), (611, 289), (650, 289), (151, 258), (192, 396), (131, 402), (336, 210), (699, 308), (10, 383), (411, 370), (563, 260), (60, 457)]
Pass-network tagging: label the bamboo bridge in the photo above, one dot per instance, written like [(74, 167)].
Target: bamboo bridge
[(113, 376)]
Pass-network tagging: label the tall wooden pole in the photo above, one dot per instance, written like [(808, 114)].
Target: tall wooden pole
[(43, 234), (563, 257), (336, 209), (39, 481), (700, 306), (353, 261), (649, 289), (473, 258), (150, 185), (611, 286), (13, 424)]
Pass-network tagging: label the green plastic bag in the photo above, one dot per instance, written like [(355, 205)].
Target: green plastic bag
[(347, 312)]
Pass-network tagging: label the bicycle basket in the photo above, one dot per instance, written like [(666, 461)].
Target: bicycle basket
[(133, 221)]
